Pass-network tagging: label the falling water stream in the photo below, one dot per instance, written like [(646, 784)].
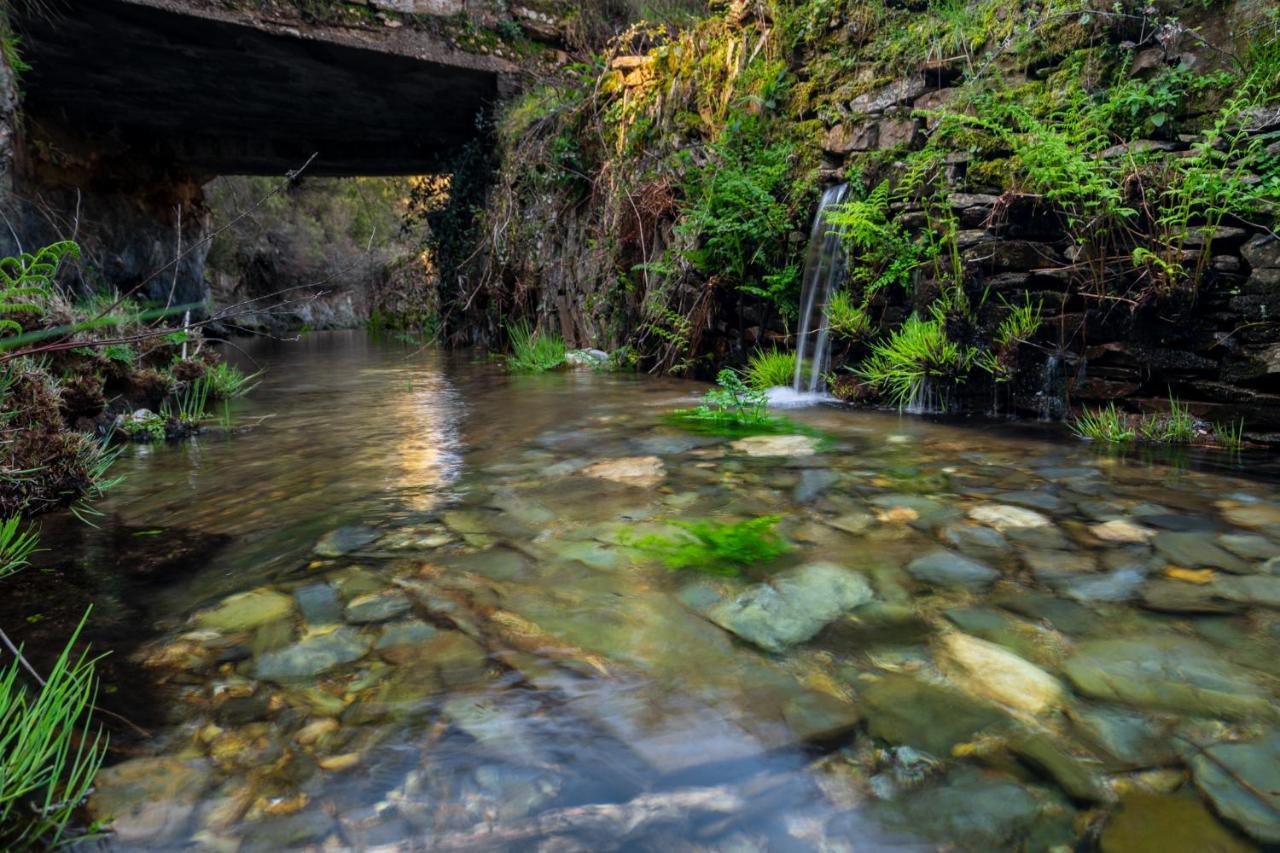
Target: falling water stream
[(824, 270)]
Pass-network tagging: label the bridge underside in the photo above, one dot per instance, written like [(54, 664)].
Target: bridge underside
[(207, 95)]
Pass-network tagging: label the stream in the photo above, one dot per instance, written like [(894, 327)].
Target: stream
[(400, 609)]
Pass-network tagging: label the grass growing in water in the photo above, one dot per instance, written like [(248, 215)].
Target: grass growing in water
[(1105, 424), (770, 369), (1229, 436), (225, 381), (46, 765), (533, 351), (717, 547), (1177, 427)]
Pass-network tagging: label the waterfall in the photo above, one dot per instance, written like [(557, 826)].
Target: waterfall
[(1052, 394), (824, 269)]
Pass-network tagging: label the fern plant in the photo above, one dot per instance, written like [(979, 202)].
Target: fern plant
[(27, 276)]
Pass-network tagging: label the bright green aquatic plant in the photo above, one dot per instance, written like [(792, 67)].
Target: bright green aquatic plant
[(717, 547), (226, 381), (47, 757), (1105, 424), (846, 318), (770, 369), (1177, 427), (533, 351), (733, 408), (917, 352), (1229, 436)]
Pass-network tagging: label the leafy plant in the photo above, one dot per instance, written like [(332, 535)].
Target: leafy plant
[(916, 353), (533, 351), (1106, 424), (717, 547), (845, 318), (770, 369), (27, 276), (881, 252)]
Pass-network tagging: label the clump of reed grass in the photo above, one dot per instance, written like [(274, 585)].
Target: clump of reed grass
[(533, 351)]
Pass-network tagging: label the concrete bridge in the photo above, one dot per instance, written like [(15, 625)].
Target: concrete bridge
[(130, 106), (214, 90)]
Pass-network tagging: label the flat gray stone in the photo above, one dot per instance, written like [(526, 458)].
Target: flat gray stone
[(793, 607), (946, 568), (312, 656), (1243, 780), (1196, 550)]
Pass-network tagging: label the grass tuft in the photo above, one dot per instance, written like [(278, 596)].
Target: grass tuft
[(1104, 424), (533, 351), (770, 369)]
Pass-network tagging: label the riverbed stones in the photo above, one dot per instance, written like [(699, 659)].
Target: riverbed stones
[(1168, 673), (457, 660), (793, 607), (1198, 551), (1154, 823), (1255, 515), (312, 656), (149, 800), (377, 607), (641, 471), (816, 717), (776, 445), (1243, 781), (344, 540), (246, 611), (969, 810), (946, 568), (1078, 778), (1133, 740), (1004, 517), (907, 711), (1121, 531), (1249, 546), (996, 674), (319, 604)]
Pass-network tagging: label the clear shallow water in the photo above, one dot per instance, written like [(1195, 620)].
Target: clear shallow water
[(1046, 640)]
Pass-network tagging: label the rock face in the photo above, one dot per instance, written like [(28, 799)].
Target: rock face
[(793, 607), (1170, 674)]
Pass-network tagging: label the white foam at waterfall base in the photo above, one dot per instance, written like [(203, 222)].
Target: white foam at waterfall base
[(784, 397)]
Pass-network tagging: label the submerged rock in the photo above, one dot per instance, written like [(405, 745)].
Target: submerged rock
[(377, 607), (969, 810), (819, 717), (904, 710), (776, 445), (1243, 780), (312, 656), (642, 471), (997, 674), (1154, 823), (1133, 739), (945, 568), (1168, 673), (344, 540), (1198, 551), (1122, 532), (1005, 517), (149, 800), (246, 611), (319, 604), (793, 607), (1072, 775)]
